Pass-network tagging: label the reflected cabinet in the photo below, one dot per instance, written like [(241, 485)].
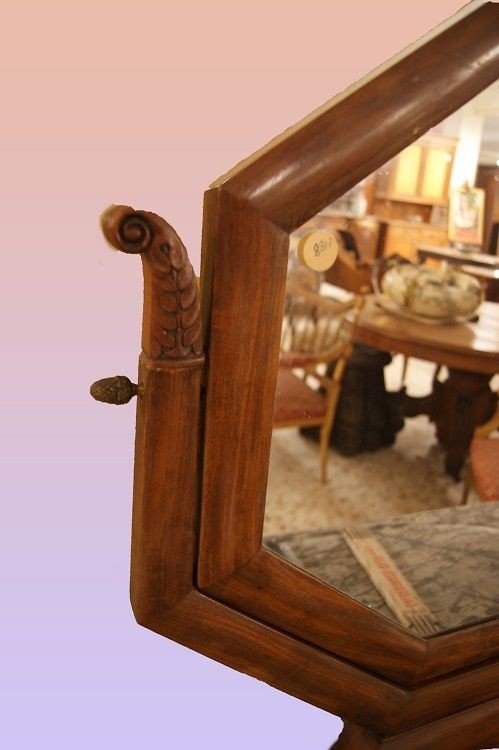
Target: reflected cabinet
[(391, 625)]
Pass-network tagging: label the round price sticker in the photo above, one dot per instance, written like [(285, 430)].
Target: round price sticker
[(318, 250)]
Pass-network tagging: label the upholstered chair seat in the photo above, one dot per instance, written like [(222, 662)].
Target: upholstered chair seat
[(295, 402), (483, 471), (484, 460)]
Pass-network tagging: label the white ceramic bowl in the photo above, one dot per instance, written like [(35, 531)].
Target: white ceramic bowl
[(432, 292)]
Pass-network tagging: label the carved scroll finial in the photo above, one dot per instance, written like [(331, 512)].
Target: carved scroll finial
[(172, 324)]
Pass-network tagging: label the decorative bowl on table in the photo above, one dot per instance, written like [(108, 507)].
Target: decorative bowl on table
[(429, 295)]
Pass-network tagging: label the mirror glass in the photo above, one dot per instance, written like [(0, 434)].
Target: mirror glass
[(373, 420)]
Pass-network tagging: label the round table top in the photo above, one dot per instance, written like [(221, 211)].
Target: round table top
[(472, 346)]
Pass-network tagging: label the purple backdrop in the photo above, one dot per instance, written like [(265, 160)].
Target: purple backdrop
[(140, 103)]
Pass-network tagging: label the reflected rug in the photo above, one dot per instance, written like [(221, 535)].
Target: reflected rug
[(406, 477)]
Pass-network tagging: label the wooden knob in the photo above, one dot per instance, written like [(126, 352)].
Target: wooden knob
[(116, 390)]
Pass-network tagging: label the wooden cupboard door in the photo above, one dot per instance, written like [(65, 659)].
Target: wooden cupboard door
[(435, 176), (400, 241), (405, 182), (433, 236), (420, 173), (405, 240)]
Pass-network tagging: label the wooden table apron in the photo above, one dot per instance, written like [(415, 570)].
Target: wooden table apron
[(470, 351)]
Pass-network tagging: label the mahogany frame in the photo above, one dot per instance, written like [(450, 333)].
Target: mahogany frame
[(248, 216), (199, 573)]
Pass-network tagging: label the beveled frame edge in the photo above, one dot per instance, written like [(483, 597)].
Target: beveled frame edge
[(247, 221), (286, 663), (164, 532), (165, 600)]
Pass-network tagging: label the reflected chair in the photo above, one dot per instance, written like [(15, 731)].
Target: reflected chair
[(483, 470), (315, 346)]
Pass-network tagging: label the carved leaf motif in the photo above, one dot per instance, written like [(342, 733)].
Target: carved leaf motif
[(168, 340), (185, 277), (189, 317), (188, 297), (178, 258), (169, 283), (193, 335), (172, 325), (169, 322), (168, 302)]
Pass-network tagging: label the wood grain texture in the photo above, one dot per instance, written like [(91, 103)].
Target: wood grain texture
[(274, 622), (168, 408), (462, 648), (294, 666), (165, 485), (354, 737), (472, 729), (241, 379), (437, 699), (301, 604), (468, 730), (245, 271), (308, 168), (298, 603), (280, 660)]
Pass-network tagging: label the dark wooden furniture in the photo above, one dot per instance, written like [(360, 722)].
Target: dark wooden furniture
[(368, 417), (401, 237), (458, 257), (407, 189), (469, 350), (199, 573), (349, 273)]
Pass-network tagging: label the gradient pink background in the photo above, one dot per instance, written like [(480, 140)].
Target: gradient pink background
[(142, 103)]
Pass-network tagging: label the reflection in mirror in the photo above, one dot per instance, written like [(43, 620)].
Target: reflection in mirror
[(380, 396)]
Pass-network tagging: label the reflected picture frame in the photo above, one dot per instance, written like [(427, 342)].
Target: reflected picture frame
[(466, 212)]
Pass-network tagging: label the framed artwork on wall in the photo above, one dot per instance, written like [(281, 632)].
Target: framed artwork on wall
[(466, 209)]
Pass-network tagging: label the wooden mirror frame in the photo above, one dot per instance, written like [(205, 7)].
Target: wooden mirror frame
[(248, 218), (199, 573)]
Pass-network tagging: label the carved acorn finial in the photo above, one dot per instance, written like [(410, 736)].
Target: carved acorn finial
[(116, 390)]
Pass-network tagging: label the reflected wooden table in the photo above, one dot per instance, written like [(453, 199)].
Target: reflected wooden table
[(470, 351), (459, 257), (481, 265)]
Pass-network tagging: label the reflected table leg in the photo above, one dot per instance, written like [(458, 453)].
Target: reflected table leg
[(457, 406), (368, 416)]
